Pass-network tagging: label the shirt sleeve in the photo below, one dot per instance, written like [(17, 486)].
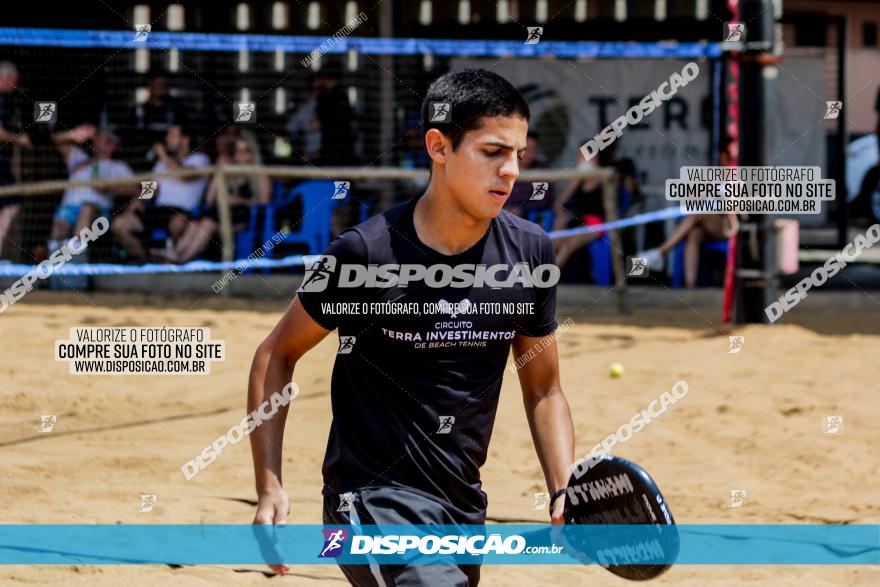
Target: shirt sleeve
[(320, 290), (122, 170), (75, 158), (197, 160), (543, 320)]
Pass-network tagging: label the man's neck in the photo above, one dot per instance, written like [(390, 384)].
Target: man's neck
[(445, 226)]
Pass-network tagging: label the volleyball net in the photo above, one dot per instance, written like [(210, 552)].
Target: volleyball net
[(343, 113)]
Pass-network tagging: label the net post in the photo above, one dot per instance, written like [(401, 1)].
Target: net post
[(609, 202), (226, 241), (225, 217)]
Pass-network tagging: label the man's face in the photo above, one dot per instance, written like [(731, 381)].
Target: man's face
[(243, 155), (159, 88), (172, 139), (105, 145), (480, 173), (8, 83)]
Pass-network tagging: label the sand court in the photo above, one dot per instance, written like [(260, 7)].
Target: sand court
[(752, 421)]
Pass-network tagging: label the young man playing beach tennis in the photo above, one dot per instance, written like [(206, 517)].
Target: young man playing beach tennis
[(418, 373)]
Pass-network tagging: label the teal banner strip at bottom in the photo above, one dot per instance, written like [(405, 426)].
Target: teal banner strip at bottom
[(295, 544)]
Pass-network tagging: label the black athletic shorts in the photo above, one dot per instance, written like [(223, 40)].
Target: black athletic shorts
[(11, 201), (158, 217), (241, 214), (392, 505)]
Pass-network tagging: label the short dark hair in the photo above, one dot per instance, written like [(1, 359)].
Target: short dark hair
[(472, 94), (157, 72), (330, 70)]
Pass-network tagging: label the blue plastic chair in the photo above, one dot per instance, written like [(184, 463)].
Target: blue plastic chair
[(246, 240), (541, 217), (678, 261), (317, 206), (600, 249), (600, 256), (364, 211)]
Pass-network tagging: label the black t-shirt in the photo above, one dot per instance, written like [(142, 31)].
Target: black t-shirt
[(153, 120), (8, 122), (334, 114), (394, 388), (583, 202)]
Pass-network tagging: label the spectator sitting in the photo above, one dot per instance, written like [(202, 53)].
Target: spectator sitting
[(520, 201), (80, 206), (224, 142), (694, 230), (581, 203), (177, 200), (9, 205), (244, 192)]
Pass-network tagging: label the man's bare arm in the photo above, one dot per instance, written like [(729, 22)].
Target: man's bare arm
[(78, 135), (271, 370), (548, 414)]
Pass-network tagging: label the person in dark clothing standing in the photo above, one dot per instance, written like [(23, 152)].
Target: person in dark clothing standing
[(9, 138), (335, 118), (151, 120)]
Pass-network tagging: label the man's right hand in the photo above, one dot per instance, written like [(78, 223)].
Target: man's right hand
[(82, 133), (272, 508), (23, 140), (271, 370)]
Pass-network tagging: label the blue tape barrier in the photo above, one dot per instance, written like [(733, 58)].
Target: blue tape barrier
[(366, 45), (16, 269), (657, 215)]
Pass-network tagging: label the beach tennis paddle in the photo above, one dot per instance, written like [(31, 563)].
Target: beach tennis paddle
[(617, 493)]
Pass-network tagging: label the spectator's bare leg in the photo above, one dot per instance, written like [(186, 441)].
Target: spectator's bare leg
[(567, 246), (183, 243), (177, 226), (125, 228), (87, 215), (60, 229), (7, 214), (197, 238), (692, 256), (713, 225), (681, 231)]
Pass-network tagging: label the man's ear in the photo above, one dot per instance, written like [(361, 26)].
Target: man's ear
[(438, 145)]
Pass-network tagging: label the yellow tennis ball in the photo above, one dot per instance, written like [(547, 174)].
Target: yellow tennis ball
[(616, 370)]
